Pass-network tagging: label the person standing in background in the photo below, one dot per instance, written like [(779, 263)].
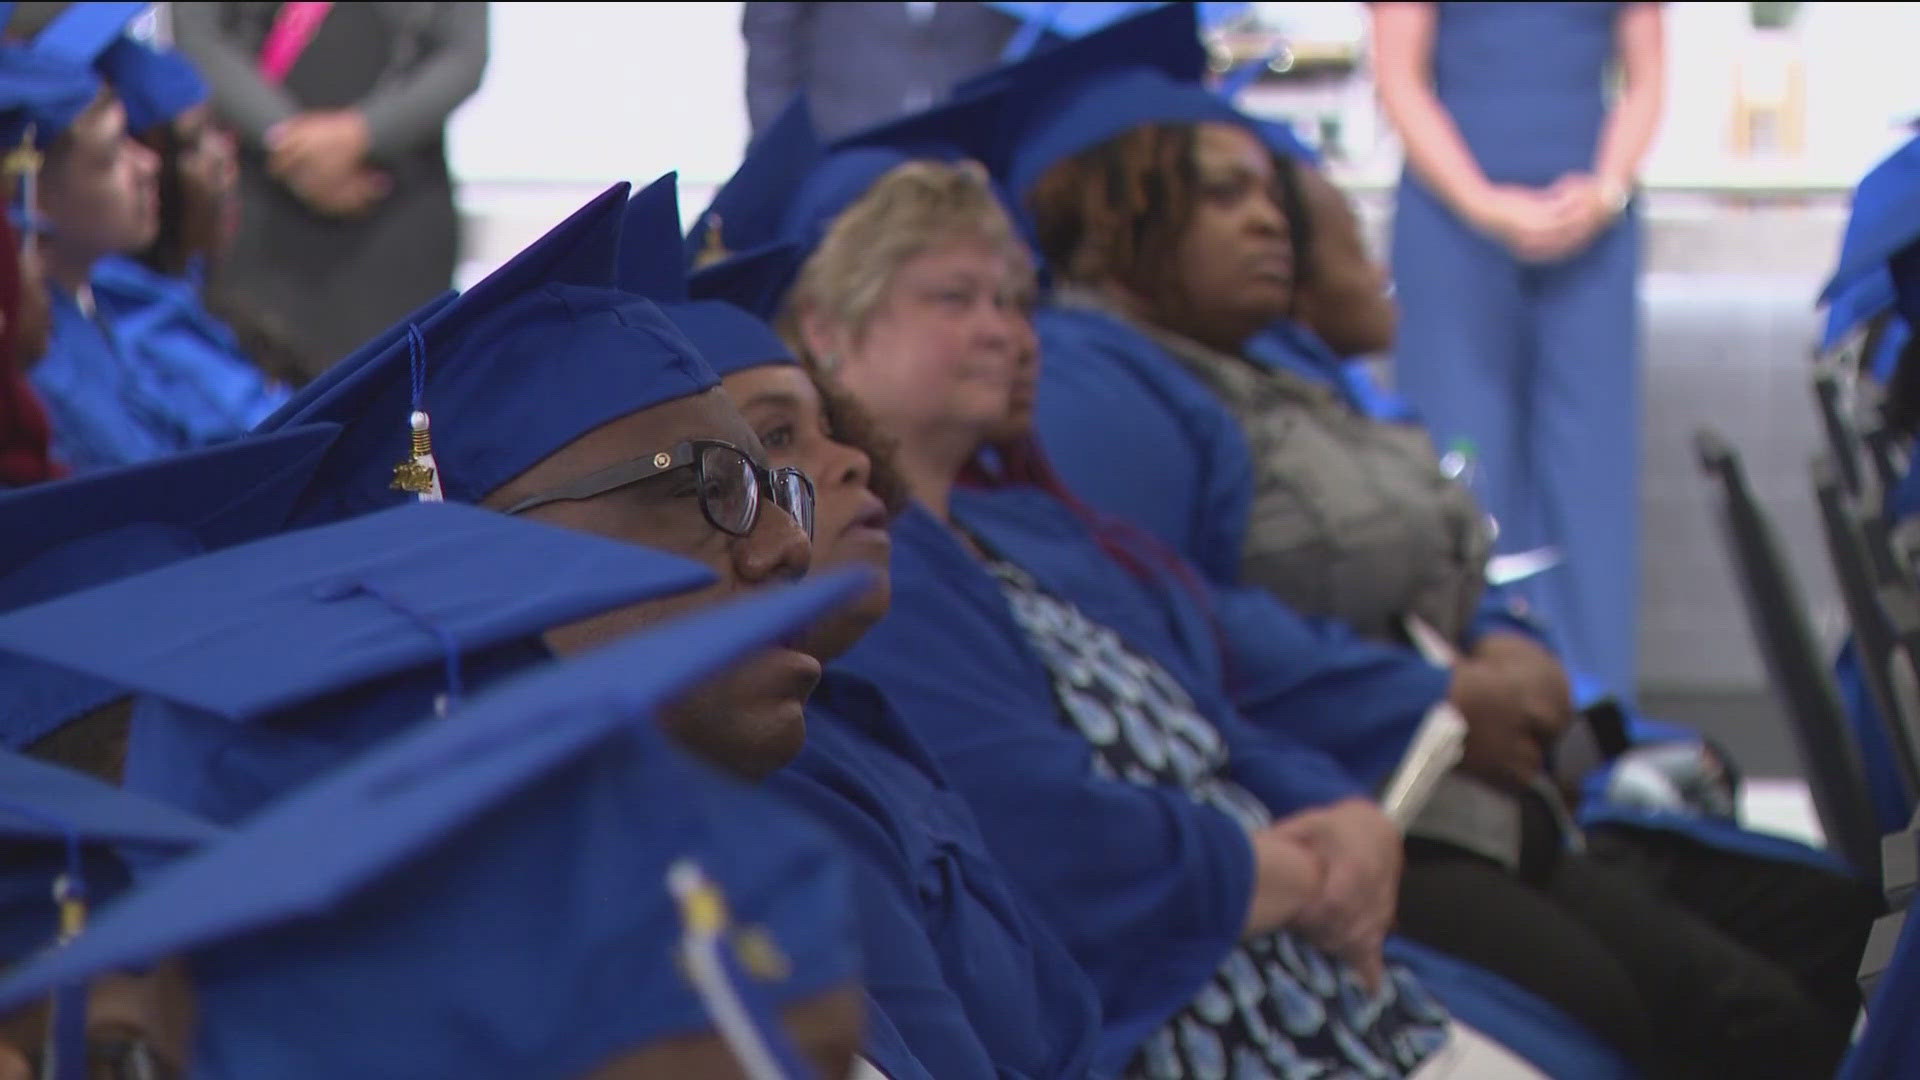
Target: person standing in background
[(862, 64), (1516, 256), (348, 218)]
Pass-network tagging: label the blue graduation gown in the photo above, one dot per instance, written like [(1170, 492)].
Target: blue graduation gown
[(154, 375), (164, 324), (1537, 364), (960, 966), (88, 390), (1151, 899), (1184, 473)]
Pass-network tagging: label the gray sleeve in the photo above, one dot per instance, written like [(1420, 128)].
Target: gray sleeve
[(241, 97), (415, 107), (776, 57)]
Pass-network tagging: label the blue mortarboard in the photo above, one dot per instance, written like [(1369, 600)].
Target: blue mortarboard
[(74, 534), (304, 402), (955, 130), (155, 85), (1884, 221), (1142, 70), (525, 362), (728, 336), (59, 836), (49, 816), (527, 892), (749, 209), (43, 93), (82, 32), (756, 280), (1040, 22), (268, 662)]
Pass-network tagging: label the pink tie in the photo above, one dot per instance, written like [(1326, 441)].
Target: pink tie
[(292, 30)]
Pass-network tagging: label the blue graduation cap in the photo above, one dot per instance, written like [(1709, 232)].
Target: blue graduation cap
[(267, 663), (965, 127), (750, 208), (55, 821), (541, 352), (298, 408), (59, 833), (1040, 22), (1143, 70), (40, 97), (530, 892), (755, 281), (155, 85), (728, 336), (73, 534), (1884, 221), (81, 32)]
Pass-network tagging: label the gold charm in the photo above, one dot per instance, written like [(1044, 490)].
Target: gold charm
[(758, 954), (21, 160), (418, 474), (714, 249), (412, 477)]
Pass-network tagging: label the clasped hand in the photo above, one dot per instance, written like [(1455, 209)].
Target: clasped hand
[(321, 157), (1543, 225), (1341, 865)]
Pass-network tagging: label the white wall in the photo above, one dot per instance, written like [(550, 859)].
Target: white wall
[(579, 95)]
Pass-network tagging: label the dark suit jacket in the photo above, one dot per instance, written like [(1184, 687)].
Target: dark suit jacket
[(862, 63)]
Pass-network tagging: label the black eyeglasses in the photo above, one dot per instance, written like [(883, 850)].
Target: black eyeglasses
[(730, 485)]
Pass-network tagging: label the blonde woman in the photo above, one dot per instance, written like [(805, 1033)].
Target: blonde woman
[(1227, 892)]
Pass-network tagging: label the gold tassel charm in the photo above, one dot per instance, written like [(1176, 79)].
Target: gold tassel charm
[(23, 160), (73, 908), (714, 249), (419, 474)]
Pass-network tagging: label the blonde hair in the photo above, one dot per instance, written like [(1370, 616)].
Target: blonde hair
[(913, 208)]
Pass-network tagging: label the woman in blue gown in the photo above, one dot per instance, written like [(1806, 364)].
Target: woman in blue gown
[(1228, 890), (957, 963), (210, 383), (1516, 254), (1009, 590)]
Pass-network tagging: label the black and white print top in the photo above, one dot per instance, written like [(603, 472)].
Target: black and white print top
[(1277, 1008)]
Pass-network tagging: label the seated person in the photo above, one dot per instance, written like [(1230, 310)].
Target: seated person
[(61, 835), (1349, 518), (959, 964), (156, 300), (39, 96), (472, 899), (1228, 892)]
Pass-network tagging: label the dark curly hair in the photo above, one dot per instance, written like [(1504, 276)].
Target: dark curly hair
[(1117, 212), (850, 424)]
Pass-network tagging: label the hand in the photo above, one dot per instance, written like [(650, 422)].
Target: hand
[(1361, 850), (13, 1064), (1583, 205), (1538, 677), (347, 196), (1287, 877), (1537, 226), (328, 143), (1513, 713)]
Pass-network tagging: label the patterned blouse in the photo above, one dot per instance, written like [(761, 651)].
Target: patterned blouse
[(1277, 1007)]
